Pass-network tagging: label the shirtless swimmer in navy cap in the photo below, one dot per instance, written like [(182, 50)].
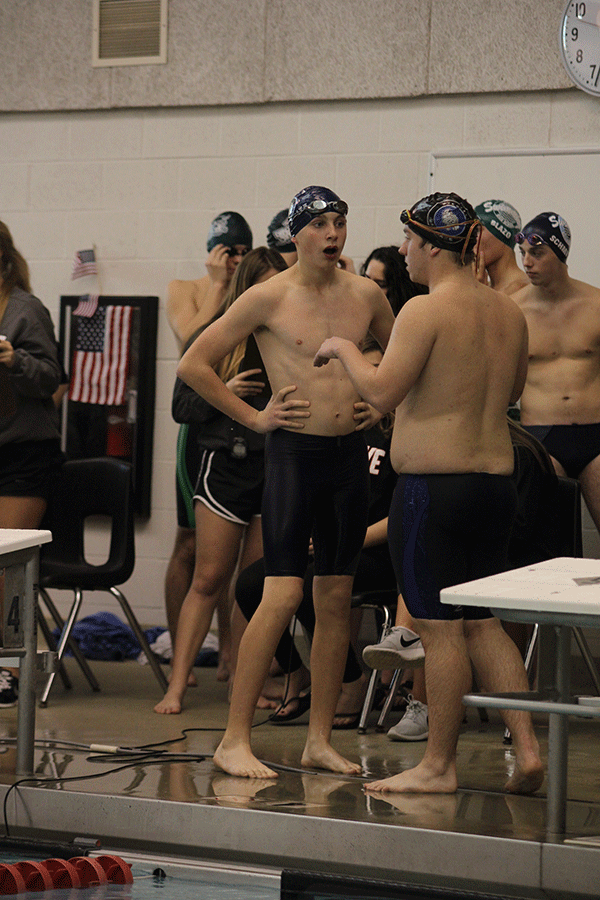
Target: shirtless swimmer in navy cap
[(316, 463)]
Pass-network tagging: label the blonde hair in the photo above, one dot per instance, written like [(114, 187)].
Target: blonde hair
[(253, 266), (14, 270)]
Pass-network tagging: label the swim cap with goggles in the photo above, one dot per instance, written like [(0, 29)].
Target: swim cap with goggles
[(501, 219), (311, 202), (551, 229), (444, 220), (278, 233), (229, 229)]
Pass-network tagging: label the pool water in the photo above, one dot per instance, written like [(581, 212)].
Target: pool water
[(156, 879)]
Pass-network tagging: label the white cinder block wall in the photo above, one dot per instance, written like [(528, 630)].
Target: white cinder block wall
[(143, 185)]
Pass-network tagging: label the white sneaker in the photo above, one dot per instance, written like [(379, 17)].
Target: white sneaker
[(399, 647), (414, 724)]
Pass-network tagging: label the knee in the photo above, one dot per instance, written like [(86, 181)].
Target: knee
[(209, 582), (184, 550)]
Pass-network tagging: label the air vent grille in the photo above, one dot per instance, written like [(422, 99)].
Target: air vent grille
[(129, 32)]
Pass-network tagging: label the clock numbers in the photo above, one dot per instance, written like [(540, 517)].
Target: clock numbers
[(579, 39)]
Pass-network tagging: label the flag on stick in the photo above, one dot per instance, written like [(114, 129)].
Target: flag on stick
[(100, 361), (87, 306), (84, 264)]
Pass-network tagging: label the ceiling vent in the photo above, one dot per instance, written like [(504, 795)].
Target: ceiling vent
[(129, 32)]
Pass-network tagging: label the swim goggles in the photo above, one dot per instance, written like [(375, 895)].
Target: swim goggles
[(406, 218), (231, 251), (536, 240), (319, 206)]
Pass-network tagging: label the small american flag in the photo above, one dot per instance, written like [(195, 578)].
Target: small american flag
[(100, 362), (84, 264), (87, 306)]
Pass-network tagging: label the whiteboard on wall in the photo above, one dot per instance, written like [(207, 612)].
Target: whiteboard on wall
[(562, 181)]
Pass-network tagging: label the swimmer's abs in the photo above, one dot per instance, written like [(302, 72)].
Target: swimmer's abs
[(543, 406)]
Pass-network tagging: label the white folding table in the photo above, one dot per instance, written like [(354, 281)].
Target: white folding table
[(19, 557), (559, 594)]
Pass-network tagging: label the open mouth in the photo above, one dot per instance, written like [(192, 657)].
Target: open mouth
[(331, 252)]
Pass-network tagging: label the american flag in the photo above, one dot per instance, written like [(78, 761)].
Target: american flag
[(87, 306), (84, 264), (100, 361)]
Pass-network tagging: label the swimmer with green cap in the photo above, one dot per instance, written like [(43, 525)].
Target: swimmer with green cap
[(496, 262)]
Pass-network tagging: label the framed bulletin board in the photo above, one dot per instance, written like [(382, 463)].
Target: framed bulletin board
[(108, 347)]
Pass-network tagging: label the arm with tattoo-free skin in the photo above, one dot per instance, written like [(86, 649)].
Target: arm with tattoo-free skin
[(197, 364)]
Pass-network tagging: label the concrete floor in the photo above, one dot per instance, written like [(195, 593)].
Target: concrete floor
[(479, 838)]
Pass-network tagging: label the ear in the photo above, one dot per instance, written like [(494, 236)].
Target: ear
[(434, 250)]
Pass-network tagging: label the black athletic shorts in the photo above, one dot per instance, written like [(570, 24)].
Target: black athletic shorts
[(231, 488), (319, 486), (27, 468), (447, 529)]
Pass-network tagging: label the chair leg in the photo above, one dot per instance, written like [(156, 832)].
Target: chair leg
[(49, 638), (392, 690), (62, 644), (71, 643), (374, 677), (135, 626), (587, 656)]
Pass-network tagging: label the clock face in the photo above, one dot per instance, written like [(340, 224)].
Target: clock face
[(580, 44)]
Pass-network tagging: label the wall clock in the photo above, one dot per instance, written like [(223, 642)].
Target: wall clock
[(580, 44)]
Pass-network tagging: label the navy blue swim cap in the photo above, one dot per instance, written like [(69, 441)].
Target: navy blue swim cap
[(278, 233), (229, 229), (445, 220), (551, 229), (311, 202)]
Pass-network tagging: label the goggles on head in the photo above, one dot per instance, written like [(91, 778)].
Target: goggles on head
[(320, 206), (536, 240)]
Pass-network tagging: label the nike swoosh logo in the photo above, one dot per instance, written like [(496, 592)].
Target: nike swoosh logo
[(408, 643)]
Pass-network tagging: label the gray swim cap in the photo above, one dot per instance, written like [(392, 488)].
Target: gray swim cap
[(229, 229), (501, 219)]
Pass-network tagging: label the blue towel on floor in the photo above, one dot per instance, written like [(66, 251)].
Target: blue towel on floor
[(103, 636)]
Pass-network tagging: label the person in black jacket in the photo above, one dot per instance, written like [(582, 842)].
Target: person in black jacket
[(30, 373)]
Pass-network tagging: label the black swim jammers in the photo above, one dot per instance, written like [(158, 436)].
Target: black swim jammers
[(319, 486)]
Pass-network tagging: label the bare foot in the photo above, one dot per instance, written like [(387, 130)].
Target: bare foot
[(419, 780), (325, 757), (265, 703), (525, 781), (239, 760), (170, 703)]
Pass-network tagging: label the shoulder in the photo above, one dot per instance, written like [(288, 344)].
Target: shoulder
[(181, 290), (586, 291)]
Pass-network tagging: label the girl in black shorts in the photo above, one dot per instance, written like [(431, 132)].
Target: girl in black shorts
[(228, 493)]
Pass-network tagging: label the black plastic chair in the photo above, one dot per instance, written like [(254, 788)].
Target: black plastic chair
[(85, 488), (570, 543)]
